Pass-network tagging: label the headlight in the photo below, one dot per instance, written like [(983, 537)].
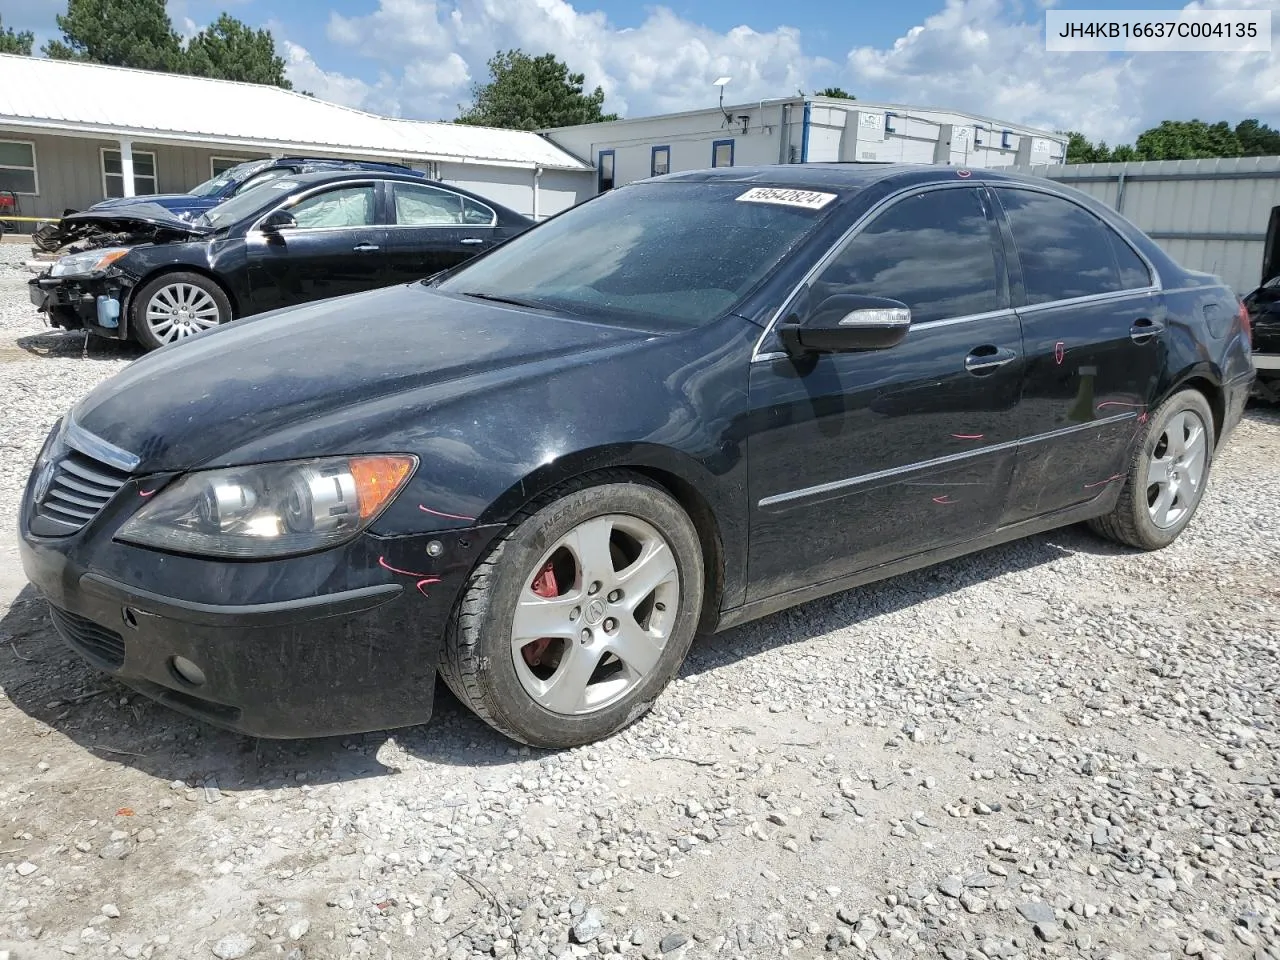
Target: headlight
[(270, 510), (91, 261)]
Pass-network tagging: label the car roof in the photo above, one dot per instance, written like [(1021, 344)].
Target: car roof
[(842, 176)]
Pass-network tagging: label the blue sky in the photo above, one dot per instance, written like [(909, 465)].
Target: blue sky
[(418, 58)]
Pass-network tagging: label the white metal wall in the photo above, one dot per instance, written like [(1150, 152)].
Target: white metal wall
[(514, 187), (1209, 215)]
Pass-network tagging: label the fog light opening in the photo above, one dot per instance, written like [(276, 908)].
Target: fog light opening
[(186, 672)]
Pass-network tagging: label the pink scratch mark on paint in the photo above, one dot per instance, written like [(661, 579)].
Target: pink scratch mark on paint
[(945, 500), (422, 583), (1103, 483), (448, 516), (968, 436), (1121, 403), (1059, 352), (1144, 417), (145, 493)]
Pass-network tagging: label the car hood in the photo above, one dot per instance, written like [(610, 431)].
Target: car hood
[(183, 204), (335, 375), (149, 218)]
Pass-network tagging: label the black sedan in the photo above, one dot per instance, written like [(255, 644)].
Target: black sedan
[(687, 403), (143, 272)]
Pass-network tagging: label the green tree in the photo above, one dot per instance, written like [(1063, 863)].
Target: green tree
[(836, 93), (123, 33), (530, 93), (13, 42), (1081, 150), (231, 50), (1257, 139), (1125, 154), (1187, 140)]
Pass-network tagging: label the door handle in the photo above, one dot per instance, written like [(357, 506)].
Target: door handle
[(471, 241), (1144, 329), (987, 358), (365, 248)]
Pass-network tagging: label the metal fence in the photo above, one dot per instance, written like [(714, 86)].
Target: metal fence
[(1208, 215)]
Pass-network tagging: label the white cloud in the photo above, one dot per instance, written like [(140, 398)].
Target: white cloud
[(982, 56), (666, 63)]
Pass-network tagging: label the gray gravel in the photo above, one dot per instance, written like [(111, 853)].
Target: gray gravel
[(1050, 748)]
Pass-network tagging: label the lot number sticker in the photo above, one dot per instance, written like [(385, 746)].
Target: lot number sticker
[(808, 199)]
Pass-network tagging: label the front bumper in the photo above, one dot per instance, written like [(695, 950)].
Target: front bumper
[(94, 303), (330, 643)]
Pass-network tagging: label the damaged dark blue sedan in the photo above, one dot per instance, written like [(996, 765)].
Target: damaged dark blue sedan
[(688, 403)]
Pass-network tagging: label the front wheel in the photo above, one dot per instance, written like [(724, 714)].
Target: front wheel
[(1167, 476), (176, 306), (581, 615)]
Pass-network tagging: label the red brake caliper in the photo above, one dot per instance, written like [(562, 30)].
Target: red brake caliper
[(544, 585)]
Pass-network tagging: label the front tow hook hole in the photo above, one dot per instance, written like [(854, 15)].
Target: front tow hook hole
[(130, 618)]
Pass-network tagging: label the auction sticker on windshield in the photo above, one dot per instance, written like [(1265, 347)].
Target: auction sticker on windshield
[(788, 198)]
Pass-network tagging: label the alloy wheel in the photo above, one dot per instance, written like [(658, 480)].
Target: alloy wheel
[(595, 614), (181, 310), (1177, 468)]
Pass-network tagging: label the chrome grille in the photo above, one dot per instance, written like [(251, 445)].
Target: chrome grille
[(78, 490)]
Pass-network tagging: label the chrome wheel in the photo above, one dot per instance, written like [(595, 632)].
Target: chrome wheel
[(1177, 469), (594, 616), (181, 310)]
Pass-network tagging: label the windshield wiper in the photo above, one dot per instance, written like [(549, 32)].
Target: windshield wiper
[(514, 301)]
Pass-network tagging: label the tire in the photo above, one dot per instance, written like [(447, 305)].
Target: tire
[(175, 306), (1143, 517), (532, 699)]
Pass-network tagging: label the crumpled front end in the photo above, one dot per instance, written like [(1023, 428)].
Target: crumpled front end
[(95, 303)]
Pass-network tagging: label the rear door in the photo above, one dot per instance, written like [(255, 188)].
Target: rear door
[(1094, 329), (337, 247), (865, 458), (433, 229)]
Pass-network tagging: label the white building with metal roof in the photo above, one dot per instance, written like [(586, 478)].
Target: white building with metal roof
[(72, 133), (803, 129)]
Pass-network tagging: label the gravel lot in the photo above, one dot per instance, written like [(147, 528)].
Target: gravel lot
[(1050, 748)]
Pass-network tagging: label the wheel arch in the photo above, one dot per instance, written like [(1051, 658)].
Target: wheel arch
[(1204, 379), (157, 272), (676, 473)]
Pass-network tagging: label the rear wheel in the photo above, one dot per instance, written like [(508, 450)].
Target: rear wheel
[(176, 306), (1167, 476), (581, 615)]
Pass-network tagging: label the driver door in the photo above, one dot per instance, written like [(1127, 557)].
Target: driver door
[(336, 246), (863, 458)]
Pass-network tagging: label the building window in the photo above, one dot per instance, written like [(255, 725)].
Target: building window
[(722, 153), (660, 162), (217, 165), (888, 123), (1005, 142), (977, 137), (144, 173), (604, 172), (18, 167)]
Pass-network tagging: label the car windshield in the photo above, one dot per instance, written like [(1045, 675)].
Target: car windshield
[(216, 185), (245, 204), (673, 254)]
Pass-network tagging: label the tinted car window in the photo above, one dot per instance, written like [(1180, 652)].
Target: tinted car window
[(668, 254), (344, 207), (422, 206), (1065, 251), (933, 251), (1134, 273), (477, 214)]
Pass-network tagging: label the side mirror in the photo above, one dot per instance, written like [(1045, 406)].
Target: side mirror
[(848, 323), (277, 221)]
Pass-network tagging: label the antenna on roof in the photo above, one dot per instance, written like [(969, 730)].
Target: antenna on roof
[(722, 83)]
